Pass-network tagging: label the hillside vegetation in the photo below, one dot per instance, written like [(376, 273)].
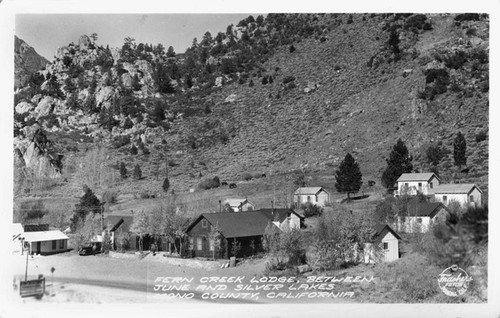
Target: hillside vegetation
[(270, 97)]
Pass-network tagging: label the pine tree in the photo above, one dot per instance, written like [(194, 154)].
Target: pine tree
[(123, 170), (137, 172), (170, 52), (166, 185), (133, 150), (88, 203), (136, 84), (399, 162), (348, 176), (459, 150)]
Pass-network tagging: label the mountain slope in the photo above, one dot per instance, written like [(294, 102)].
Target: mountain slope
[(270, 96)]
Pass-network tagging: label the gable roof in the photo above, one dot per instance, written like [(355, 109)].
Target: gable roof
[(237, 202), (429, 209), (426, 176), (44, 236), (308, 190), (116, 222), (458, 188), (278, 214), (381, 230), (233, 225)]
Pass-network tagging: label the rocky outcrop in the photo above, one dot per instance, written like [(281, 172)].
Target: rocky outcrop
[(26, 62)]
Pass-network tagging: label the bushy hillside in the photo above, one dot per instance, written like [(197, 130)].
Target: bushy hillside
[(270, 96)]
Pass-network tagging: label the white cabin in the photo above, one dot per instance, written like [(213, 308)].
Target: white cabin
[(420, 217), (314, 195), (467, 194), (414, 183)]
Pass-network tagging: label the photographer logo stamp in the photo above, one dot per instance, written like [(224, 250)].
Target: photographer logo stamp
[(454, 281)]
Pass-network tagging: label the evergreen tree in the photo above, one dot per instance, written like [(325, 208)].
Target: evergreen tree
[(434, 154), (459, 150), (123, 170), (399, 162), (53, 87), (137, 172), (166, 185), (348, 176), (136, 84), (88, 203), (133, 150), (158, 112), (170, 52)]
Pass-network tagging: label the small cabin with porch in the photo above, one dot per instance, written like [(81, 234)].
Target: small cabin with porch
[(314, 195), (414, 183), (245, 229)]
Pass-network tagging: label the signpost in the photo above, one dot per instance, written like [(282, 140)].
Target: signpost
[(34, 287)]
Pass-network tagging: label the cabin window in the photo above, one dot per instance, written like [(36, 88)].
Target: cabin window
[(210, 244), (471, 198), (61, 244), (199, 244), (386, 245), (308, 198), (431, 185), (204, 223), (419, 220), (54, 244), (445, 198), (406, 184), (191, 243)]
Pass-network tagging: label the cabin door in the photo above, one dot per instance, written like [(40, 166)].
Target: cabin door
[(38, 247)]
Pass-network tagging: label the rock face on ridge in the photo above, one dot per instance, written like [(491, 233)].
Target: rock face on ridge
[(26, 61)]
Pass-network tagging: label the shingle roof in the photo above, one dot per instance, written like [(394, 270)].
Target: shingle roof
[(308, 190), (416, 176), (241, 224), (429, 209), (458, 188), (44, 236), (380, 230)]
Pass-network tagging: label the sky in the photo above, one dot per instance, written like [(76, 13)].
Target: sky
[(47, 32)]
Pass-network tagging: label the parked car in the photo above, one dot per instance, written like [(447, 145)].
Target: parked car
[(91, 249)]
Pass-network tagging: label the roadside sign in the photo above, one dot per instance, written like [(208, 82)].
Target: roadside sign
[(35, 287)]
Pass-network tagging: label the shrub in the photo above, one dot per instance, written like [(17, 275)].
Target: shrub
[(349, 19), (166, 185), (246, 176), (292, 48), (481, 136), (311, 210), (288, 79), (209, 183), (336, 68), (120, 141), (415, 22), (467, 17), (455, 60)]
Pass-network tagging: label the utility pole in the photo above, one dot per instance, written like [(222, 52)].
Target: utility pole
[(102, 226)]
